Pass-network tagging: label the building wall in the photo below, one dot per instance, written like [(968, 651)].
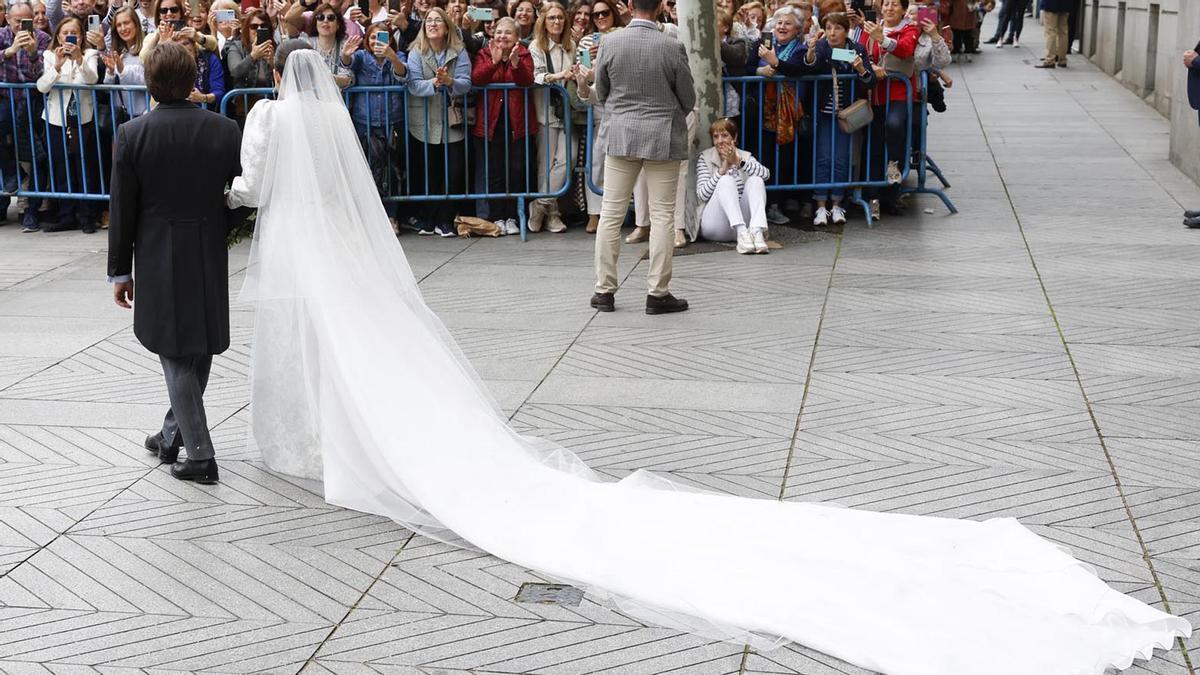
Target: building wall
[(1141, 44)]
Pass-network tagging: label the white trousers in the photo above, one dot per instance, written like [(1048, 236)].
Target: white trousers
[(554, 158), (727, 209)]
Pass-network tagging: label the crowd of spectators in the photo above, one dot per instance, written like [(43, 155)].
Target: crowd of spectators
[(435, 136)]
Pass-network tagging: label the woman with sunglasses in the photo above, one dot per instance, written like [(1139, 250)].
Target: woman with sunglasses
[(605, 19), (331, 42), (250, 60), (171, 22)]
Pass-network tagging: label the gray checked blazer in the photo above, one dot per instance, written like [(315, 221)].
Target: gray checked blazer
[(644, 83)]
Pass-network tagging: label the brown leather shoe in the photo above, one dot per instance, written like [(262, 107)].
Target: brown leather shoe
[(665, 304), (604, 302), (638, 235), (593, 224)]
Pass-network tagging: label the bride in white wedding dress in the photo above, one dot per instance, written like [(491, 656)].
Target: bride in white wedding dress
[(356, 383)]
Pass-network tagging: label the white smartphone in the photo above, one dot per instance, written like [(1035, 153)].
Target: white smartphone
[(226, 15), (93, 21)]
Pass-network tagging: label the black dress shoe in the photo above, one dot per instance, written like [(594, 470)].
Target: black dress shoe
[(167, 454), (1189, 215), (604, 302), (1193, 223), (665, 304), (202, 471)]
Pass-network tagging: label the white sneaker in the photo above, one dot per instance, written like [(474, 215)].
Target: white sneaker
[(838, 215), (1000, 44), (500, 225), (745, 241), (822, 217), (760, 241), (775, 216), (874, 209), (893, 172), (511, 226), (1016, 43)]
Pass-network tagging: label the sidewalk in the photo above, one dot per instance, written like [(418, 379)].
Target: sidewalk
[(1035, 356)]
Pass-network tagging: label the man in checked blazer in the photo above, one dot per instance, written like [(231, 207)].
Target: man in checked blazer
[(644, 83)]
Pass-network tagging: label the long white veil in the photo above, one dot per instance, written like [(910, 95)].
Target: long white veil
[(356, 383)]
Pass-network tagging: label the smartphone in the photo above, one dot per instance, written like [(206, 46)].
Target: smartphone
[(364, 6), (381, 37), (72, 39), (585, 58), (262, 34), (768, 41), (93, 22), (871, 15), (393, 5), (27, 25), (927, 14), (858, 5), (226, 15), (846, 55), (178, 25), (483, 14)]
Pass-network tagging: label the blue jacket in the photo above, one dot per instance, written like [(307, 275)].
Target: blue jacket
[(375, 110)]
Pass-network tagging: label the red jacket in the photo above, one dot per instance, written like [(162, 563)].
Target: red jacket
[(906, 36), (522, 118)]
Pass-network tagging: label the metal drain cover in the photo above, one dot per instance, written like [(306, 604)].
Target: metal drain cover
[(550, 594)]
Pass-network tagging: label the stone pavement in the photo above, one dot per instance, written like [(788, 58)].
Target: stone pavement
[(1034, 356)]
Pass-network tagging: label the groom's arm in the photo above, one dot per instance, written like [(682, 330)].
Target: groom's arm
[(123, 219)]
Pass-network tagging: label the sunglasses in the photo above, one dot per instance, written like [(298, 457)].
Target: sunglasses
[(256, 26), (326, 17), (168, 10), (602, 14)]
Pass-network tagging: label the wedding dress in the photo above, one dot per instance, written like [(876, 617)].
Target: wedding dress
[(356, 383)]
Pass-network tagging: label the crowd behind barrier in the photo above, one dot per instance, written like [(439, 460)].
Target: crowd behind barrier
[(499, 125)]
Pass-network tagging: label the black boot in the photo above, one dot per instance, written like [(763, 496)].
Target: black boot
[(202, 471), (157, 445)]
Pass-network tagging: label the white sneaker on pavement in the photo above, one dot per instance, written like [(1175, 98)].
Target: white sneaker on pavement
[(760, 241), (822, 216), (838, 215), (511, 226), (745, 241)]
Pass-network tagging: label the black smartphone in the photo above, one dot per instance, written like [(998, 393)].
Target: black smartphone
[(27, 25), (72, 39), (262, 34), (871, 15), (768, 40), (393, 5), (858, 5), (178, 25), (364, 6)]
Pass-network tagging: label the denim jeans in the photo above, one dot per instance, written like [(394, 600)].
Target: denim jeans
[(833, 156)]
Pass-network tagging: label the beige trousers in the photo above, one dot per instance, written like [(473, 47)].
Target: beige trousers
[(620, 175), (1057, 28)]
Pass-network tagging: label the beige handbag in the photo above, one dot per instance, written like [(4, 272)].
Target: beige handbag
[(854, 116)]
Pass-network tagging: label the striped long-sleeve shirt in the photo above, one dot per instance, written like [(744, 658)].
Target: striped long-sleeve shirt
[(707, 176)]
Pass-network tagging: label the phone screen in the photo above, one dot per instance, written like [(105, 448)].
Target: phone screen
[(178, 24), (393, 5), (871, 15), (768, 41), (381, 37), (262, 35), (72, 39), (27, 25)]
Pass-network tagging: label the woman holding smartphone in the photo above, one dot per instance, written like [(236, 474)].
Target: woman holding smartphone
[(378, 116), (123, 65), (605, 19), (250, 57), (170, 19), (71, 138)]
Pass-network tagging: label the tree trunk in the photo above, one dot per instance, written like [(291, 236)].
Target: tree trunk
[(698, 31)]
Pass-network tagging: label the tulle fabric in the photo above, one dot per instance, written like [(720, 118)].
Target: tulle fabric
[(356, 383)]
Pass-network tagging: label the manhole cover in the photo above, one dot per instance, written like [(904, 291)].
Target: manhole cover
[(550, 594)]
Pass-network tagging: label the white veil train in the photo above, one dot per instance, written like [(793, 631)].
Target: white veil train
[(356, 382)]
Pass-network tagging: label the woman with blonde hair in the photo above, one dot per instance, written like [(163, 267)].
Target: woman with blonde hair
[(439, 77), (553, 52)]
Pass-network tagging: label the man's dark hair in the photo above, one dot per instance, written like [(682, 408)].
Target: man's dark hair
[(170, 72), (286, 49), (645, 6)]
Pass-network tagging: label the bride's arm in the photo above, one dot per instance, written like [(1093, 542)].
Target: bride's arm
[(247, 188)]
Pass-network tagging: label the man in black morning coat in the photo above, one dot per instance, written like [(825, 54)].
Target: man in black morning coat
[(168, 223)]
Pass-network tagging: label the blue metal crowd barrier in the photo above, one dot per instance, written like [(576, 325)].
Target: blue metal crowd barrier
[(41, 160), (925, 163)]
